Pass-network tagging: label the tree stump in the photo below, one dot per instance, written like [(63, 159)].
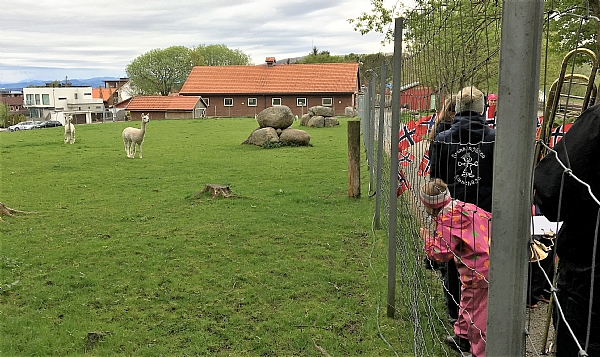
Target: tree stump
[(93, 338), (7, 211), (216, 190)]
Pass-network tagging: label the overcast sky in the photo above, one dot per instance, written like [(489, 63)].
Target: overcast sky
[(51, 39)]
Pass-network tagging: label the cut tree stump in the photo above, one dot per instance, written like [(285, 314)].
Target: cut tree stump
[(94, 337), (7, 211), (216, 190)]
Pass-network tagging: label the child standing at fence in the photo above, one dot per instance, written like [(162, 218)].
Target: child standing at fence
[(462, 234)]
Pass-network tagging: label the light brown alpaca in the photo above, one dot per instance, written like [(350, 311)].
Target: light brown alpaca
[(133, 136)]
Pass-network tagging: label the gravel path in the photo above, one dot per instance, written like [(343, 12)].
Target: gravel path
[(536, 322)]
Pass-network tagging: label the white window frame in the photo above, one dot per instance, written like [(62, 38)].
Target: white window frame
[(273, 102), (299, 100), (325, 100), (225, 102), (252, 100), (45, 99)]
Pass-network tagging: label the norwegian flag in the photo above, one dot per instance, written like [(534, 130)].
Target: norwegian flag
[(403, 184), (405, 158), (425, 124), (558, 133), (407, 136), (425, 165), (539, 120)]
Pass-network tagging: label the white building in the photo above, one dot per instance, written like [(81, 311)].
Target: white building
[(51, 103)]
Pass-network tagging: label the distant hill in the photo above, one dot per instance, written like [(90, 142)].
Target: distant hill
[(90, 82)]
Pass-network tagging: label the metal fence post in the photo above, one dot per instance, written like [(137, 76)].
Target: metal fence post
[(396, 83), (520, 51), (377, 217)]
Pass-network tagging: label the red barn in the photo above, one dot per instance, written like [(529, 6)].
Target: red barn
[(416, 97)]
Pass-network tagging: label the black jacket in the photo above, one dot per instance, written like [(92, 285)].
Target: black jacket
[(580, 151), (463, 156)]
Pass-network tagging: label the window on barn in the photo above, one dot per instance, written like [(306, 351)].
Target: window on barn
[(252, 102), (301, 102), (327, 102), (46, 99), (228, 102), (275, 101)]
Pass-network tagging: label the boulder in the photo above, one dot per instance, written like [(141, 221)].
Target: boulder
[(321, 110), (305, 119), (295, 137), (317, 121), (349, 112), (331, 121), (260, 135), (278, 117)]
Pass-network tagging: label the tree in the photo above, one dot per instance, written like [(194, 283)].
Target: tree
[(449, 44), (4, 109), (316, 56), (218, 55), (160, 71), (570, 26)]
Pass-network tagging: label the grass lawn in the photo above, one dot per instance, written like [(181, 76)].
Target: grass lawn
[(121, 247)]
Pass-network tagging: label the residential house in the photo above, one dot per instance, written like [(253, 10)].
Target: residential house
[(170, 107), (14, 100), (120, 90), (51, 103), (247, 90)]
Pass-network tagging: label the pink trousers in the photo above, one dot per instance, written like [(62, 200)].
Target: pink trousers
[(472, 317)]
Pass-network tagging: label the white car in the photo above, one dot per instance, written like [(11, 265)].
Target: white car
[(24, 125)]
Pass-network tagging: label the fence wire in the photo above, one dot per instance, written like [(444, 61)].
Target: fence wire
[(453, 45)]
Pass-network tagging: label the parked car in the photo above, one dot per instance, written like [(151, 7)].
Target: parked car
[(49, 124), (24, 125)]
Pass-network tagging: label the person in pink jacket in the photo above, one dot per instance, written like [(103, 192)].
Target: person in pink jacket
[(462, 233)]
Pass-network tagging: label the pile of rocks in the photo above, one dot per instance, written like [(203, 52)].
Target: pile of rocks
[(274, 127), (318, 117)]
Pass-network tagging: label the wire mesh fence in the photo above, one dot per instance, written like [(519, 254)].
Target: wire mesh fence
[(444, 99)]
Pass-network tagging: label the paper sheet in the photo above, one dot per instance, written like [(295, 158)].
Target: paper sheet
[(541, 224)]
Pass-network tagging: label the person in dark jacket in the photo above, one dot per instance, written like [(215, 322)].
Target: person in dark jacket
[(462, 156), (577, 242)]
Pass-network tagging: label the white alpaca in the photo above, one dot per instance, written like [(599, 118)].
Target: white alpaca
[(133, 136), (69, 129)]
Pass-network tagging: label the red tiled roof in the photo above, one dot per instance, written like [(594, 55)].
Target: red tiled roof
[(280, 79), (157, 102), (106, 93)]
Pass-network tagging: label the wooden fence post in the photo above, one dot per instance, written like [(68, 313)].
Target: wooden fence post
[(354, 158)]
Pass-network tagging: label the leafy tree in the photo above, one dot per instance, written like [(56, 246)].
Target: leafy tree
[(570, 25), (316, 56), (160, 71), (218, 55), (448, 44), (4, 109)]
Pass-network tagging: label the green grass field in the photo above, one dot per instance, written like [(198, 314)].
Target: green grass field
[(122, 247)]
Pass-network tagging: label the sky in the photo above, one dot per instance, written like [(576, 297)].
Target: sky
[(80, 39)]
